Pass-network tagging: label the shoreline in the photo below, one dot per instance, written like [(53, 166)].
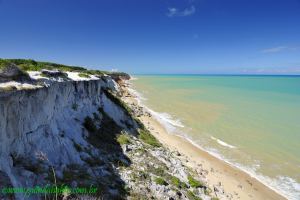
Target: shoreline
[(236, 182)]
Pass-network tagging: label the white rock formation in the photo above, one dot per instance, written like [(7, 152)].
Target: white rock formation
[(49, 120)]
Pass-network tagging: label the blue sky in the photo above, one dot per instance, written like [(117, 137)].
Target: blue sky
[(156, 36)]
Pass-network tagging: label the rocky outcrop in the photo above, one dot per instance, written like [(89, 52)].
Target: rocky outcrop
[(11, 72)]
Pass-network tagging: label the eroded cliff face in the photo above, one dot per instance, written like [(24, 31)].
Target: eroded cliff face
[(49, 121)]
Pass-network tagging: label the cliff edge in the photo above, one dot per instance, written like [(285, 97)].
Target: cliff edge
[(66, 127)]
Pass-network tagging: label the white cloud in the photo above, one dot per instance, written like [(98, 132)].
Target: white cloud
[(175, 12), (274, 49)]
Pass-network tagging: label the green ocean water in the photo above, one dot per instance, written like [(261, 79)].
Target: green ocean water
[(252, 122)]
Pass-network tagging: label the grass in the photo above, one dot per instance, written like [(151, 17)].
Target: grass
[(123, 139), (192, 196), (176, 182), (32, 65), (118, 102), (146, 137), (159, 171), (194, 183), (3, 63), (160, 181), (84, 75), (207, 191), (89, 124)]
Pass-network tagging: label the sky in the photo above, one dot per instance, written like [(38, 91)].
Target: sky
[(156, 36)]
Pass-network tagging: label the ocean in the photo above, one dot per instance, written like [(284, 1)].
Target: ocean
[(251, 122)]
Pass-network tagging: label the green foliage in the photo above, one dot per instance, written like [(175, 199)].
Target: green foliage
[(96, 72), (123, 139), (146, 137), (84, 75), (89, 124), (160, 181), (176, 182), (32, 65), (3, 63), (192, 196), (214, 198), (194, 183), (159, 171), (207, 191), (118, 102)]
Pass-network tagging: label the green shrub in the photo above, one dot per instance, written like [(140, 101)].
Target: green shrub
[(160, 181), (192, 196), (146, 137), (3, 63), (207, 191), (89, 124), (159, 171), (176, 182), (123, 139), (84, 75), (32, 65), (194, 183), (118, 102)]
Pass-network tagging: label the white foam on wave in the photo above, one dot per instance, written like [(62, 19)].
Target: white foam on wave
[(165, 117), (223, 143), (285, 186)]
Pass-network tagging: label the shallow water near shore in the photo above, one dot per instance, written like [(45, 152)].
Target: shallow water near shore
[(252, 122)]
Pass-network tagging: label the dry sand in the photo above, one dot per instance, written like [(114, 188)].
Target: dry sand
[(234, 181)]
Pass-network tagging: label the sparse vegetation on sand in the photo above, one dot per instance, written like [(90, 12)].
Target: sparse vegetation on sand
[(84, 75), (194, 183), (123, 139), (148, 138)]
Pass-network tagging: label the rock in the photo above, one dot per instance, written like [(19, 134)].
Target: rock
[(54, 74), (12, 72)]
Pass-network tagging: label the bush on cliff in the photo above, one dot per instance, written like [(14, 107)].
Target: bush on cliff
[(123, 139), (89, 124), (146, 137), (194, 183), (160, 181), (84, 75)]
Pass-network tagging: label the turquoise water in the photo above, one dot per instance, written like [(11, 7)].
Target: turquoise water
[(252, 122)]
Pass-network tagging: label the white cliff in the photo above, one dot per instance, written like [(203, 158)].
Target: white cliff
[(49, 120)]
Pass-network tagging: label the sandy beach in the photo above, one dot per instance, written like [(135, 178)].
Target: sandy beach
[(236, 183)]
